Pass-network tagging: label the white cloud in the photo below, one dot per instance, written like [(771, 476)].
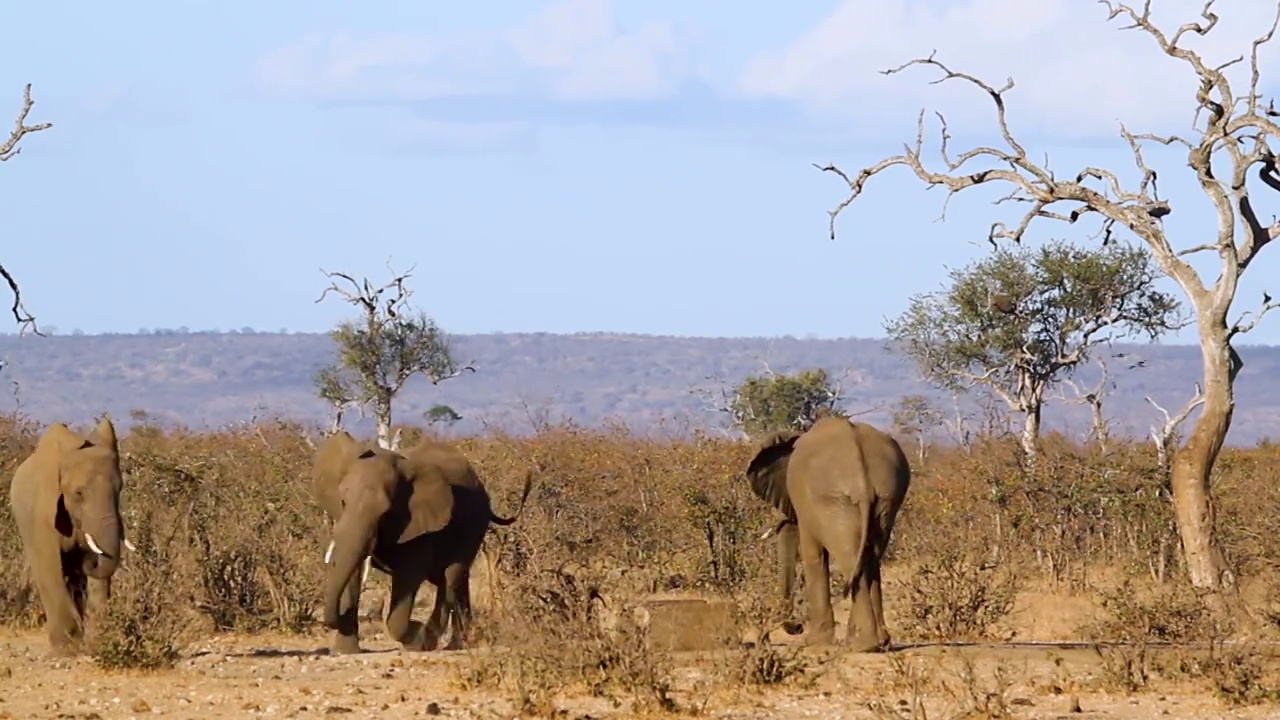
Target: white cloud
[(1077, 75), (571, 50)]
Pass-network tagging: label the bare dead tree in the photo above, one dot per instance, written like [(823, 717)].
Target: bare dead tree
[(1165, 436), (10, 149), (378, 353), (1100, 428), (1239, 129)]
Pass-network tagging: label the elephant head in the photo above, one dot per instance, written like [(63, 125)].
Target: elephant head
[(379, 501), (86, 512), (767, 473)]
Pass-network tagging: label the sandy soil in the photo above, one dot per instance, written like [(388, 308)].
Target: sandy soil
[(296, 677)]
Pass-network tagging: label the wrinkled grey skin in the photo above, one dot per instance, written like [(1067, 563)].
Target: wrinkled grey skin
[(420, 517), (65, 499), (839, 486)]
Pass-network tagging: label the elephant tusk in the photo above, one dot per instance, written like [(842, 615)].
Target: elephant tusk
[(129, 546), (328, 552), (92, 545), (364, 574), (768, 533)]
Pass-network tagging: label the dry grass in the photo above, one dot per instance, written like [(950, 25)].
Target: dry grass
[(229, 539)]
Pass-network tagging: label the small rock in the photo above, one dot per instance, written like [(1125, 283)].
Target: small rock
[(1074, 704), (140, 706), (433, 708)]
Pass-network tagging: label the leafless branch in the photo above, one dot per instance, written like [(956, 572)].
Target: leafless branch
[(1164, 436), (8, 150), (1241, 327)]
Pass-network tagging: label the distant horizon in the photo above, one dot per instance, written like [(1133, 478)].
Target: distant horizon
[(60, 333)]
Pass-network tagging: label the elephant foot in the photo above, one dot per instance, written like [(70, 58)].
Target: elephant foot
[(416, 638), (62, 651), (820, 638), (866, 645), (347, 645)]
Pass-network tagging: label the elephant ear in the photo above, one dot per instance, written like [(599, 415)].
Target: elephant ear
[(430, 502), (768, 471), (333, 458), (104, 435)]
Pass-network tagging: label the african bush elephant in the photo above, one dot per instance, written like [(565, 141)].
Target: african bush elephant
[(418, 516), (840, 485), (65, 498)]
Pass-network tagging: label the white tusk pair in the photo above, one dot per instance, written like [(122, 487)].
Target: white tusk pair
[(92, 545), (368, 562)]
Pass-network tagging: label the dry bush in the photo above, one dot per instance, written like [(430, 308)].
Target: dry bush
[(561, 638), (635, 515), (150, 619), (955, 596), (19, 605)]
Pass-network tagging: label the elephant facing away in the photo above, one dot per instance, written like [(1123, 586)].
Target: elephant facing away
[(839, 485), (65, 498), (418, 516)]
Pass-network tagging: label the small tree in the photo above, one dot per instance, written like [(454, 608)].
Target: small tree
[(1020, 320), (1238, 129), (378, 353), (9, 149), (766, 403), (913, 417), (442, 415)]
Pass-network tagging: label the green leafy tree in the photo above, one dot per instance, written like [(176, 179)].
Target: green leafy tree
[(770, 402), (380, 351), (1021, 320), (441, 415)]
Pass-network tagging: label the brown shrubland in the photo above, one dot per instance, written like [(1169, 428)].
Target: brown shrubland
[(229, 539)]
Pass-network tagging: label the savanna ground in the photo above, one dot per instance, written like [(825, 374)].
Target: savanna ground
[(213, 615)]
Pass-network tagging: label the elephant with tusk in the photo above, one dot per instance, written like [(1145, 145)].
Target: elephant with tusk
[(65, 498), (419, 516)]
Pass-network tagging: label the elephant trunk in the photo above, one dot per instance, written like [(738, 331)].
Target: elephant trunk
[(103, 537), (351, 545)]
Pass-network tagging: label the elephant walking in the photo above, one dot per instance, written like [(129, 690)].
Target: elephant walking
[(418, 517), (65, 498), (839, 485)]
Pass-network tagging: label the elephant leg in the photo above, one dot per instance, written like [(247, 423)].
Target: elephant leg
[(347, 636), (817, 582), (877, 606), (788, 537), (880, 545), (62, 621), (457, 599), (400, 624), (863, 628)]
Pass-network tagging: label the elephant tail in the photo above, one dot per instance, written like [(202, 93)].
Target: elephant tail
[(860, 549), (504, 521)]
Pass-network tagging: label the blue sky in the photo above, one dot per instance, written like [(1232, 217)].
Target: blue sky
[(635, 166)]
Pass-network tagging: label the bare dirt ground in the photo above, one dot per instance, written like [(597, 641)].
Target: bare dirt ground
[(295, 677)]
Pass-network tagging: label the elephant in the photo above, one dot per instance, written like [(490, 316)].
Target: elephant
[(417, 516), (839, 485), (65, 498)]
